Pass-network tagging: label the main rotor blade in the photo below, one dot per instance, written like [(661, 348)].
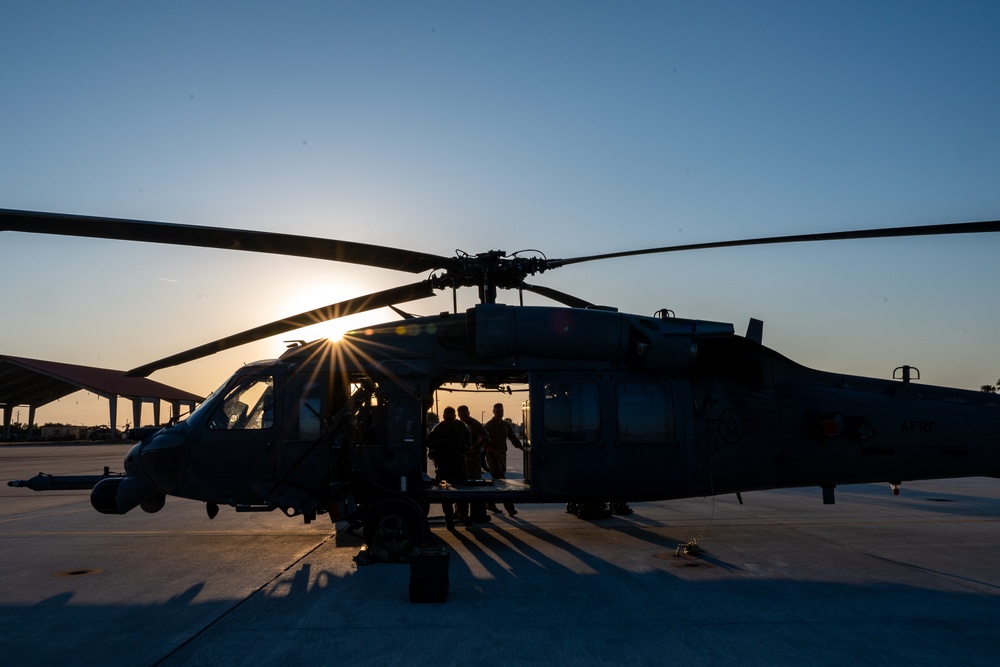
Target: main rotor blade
[(886, 232), (36, 222), (359, 304), (556, 295)]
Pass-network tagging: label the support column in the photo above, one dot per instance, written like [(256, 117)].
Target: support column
[(8, 410), (113, 422), (31, 421), (136, 412)]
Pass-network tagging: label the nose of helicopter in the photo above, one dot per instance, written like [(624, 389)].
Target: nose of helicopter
[(160, 458), (154, 467)]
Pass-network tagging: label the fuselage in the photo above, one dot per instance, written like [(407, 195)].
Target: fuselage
[(617, 407)]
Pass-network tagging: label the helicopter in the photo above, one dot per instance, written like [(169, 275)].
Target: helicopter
[(618, 407)]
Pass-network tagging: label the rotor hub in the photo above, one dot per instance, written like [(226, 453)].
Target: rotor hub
[(489, 271)]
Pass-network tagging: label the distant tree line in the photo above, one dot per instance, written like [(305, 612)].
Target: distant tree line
[(991, 388)]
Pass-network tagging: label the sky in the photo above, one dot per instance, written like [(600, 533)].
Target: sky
[(574, 128)]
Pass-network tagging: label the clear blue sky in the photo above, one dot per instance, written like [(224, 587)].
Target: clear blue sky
[(571, 127)]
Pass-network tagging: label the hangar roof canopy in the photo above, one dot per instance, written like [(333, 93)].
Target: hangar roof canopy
[(34, 382)]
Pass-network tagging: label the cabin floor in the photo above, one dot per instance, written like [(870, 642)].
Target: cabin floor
[(485, 490)]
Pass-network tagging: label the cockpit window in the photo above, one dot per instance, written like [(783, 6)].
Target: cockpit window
[(249, 405)]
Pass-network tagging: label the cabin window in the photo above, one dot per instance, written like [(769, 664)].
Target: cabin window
[(249, 405), (645, 413), (572, 412)]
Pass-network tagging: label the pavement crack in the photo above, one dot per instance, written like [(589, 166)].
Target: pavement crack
[(187, 642), (938, 573)]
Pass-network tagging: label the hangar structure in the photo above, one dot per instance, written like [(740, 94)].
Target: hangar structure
[(35, 383)]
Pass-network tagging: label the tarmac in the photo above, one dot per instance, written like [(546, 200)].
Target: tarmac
[(780, 580)]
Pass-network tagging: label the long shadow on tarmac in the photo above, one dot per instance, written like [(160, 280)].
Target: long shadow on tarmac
[(528, 607)]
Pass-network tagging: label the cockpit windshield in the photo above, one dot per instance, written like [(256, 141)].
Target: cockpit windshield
[(202, 408), (249, 403)]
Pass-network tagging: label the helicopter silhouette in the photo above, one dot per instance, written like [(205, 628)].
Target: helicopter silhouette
[(619, 407)]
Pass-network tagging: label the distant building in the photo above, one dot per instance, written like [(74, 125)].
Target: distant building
[(64, 432)]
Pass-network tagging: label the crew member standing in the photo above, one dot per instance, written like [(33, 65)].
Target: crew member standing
[(446, 446), (500, 431), (473, 461)]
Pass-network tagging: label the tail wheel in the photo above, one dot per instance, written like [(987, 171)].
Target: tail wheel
[(401, 517)]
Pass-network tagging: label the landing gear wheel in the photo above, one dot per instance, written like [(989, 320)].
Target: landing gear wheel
[(401, 516)]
